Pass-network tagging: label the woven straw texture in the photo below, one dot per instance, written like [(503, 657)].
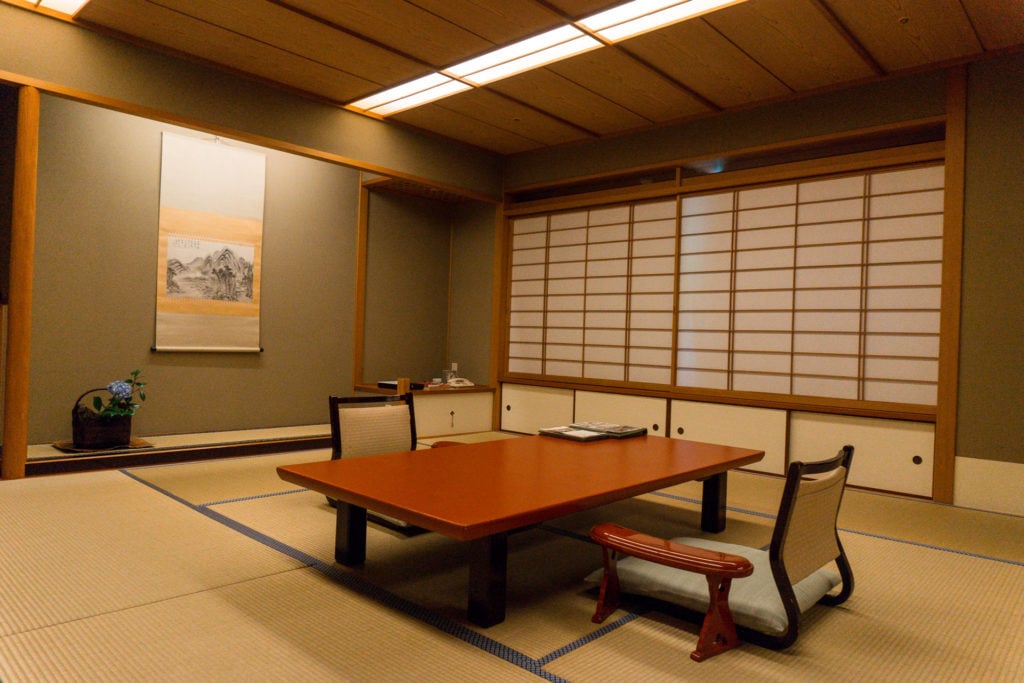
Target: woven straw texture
[(218, 571)]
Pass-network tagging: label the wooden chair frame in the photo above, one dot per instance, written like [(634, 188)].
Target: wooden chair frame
[(718, 632)]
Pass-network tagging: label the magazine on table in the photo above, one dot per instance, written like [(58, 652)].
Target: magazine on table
[(615, 431), (592, 431)]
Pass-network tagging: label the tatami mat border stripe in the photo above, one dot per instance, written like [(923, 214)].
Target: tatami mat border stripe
[(367, 589), (590, 637)]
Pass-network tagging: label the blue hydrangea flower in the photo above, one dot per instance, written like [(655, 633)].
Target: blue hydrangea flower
[(121, 391)]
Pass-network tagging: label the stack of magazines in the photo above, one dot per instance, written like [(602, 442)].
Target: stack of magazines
[(592, 431)]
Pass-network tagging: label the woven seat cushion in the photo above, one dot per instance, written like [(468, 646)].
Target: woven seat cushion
[(754, 600)]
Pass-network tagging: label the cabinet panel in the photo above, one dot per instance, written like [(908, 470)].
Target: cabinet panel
[(889, 455), (639, 411), (526, 409), (442, 413), (743, 426)]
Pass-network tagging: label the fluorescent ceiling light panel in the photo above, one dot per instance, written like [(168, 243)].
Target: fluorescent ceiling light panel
[(509, 53), (399, 91), (641, 16), (450, 87), (532, 61), (64, 6)]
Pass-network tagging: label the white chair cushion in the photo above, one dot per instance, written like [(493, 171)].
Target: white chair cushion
[(754, 600)]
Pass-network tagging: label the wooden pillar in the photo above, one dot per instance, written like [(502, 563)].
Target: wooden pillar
[(19, 312), (943, 475)]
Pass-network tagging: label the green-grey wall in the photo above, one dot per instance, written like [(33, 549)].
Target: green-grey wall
[(95, 280), (470, 319), (406, 288), (411, 305), (991, 408)]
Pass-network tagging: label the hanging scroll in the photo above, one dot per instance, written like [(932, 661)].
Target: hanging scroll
[(209, 252)]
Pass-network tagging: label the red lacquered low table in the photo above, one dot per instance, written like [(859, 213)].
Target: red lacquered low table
[(483, 491)]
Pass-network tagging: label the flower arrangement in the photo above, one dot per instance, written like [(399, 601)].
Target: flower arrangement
[(122, 396)]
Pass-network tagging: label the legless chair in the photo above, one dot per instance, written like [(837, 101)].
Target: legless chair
[(794, 574), (370, 425)]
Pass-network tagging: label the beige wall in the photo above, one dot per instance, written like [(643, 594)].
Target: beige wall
[(95, 281), (991, 408)]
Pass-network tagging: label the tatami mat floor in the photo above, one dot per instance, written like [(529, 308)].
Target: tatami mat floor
[(219, 571)]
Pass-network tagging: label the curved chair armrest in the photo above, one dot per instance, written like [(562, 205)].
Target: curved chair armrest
[(670, 553)]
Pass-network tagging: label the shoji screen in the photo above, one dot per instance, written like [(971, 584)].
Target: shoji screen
[(824, 287), (592, 293)]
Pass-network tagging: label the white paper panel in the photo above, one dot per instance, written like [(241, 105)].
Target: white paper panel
[(614, 373), (833, 188), (604, 354), (830, 233), (702, 379), (767, 196), (563, 368), (654, 210), (826, 342), (564, 335), (707, 204), (557, 238), (568, 220), (651, 338), (762, 341), (608, 233), (654, 229), (531, 224), (614, 214), (563, 352)]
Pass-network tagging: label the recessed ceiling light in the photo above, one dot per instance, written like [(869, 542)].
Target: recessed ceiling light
[(64, 6)]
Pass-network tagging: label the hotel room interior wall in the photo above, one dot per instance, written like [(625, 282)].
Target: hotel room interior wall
[(407, 257), (95, 281), (60, 52), (990, 462), (469, 325)]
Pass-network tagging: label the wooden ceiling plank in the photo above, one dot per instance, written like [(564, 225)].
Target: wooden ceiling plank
[(998, 23), (560, 97), (509, 114), (421, 34), (498, 21), (793, 40), (618, 77), (910, 33), (470, 130), (169, 30), (275, 25), (700, 58)]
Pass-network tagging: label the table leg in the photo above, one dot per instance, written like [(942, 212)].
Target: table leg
[(488, 573), (350, 536), (712, 510)]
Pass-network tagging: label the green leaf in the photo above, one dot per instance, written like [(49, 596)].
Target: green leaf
[(97, 403)]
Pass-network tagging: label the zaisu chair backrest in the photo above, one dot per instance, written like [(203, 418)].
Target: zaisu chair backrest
[(368, 425)]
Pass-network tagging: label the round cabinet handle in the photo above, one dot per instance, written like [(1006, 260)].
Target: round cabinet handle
[(508, 408), (655, 428), (680, 430), (917, 460)]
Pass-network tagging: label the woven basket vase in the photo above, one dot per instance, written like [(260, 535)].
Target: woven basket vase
[(92, 431)]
